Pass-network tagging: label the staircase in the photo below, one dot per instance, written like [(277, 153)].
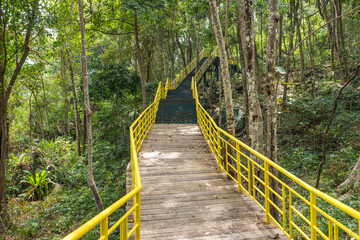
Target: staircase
[(179, 105)]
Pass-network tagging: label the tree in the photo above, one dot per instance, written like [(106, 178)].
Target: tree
[(10, 69), (139, 61), (271, 96), (224, 68), (256, 128), (75, 101), (90, 178)]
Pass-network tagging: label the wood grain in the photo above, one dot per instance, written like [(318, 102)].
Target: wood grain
[(184, 196)]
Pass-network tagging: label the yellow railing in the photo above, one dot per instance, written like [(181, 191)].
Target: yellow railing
[(304, 213), (205, 65), (138, 132), (175, 83)]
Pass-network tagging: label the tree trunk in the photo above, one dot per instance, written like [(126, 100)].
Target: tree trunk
[(45, 104), (271, 96), (140, 62), (298, 33), (5, 92), (76, 109), (241, 29), (353, 179), (329, 125), (66, 102), (224, 68), (181, 50), (30, 123), (90, 178), (226, 25), (256, 128)]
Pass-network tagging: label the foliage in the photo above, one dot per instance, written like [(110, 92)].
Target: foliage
[(38, 185)]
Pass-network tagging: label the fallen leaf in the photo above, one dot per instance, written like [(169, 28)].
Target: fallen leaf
[(276, 236)]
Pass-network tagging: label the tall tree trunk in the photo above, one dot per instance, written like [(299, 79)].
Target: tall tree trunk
[(280, 39), (291, 46), (226, 25), (30, 123), (140, 62), (45, 104), (241, 29), (256, 128), (181, 50), (224, 68), (65, 92), (149, 60), (298, 17), (5, 92), (271, 97), (340, 37), (90, 178), (76, 109)]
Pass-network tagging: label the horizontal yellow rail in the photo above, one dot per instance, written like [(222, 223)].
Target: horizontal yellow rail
[(304, 214), (138, 132)]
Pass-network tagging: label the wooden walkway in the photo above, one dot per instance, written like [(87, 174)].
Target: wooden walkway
[(183, 195)]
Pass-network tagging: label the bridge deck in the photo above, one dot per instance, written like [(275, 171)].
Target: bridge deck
[(184, 197)]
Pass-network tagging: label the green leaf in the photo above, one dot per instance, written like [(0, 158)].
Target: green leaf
[(280, 70)]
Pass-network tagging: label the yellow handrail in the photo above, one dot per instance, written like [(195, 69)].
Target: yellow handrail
[(243, 164), (138, 133), (176, 82), (210, 58)]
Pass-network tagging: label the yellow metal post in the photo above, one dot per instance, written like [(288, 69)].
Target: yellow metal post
[(226, 157), (123, 230), (290, 215), (104, 225), (249, 177), (267, 204), (284, 207), (238, 166), (330, 227), (313, 215), (218, 149), (137, 216)]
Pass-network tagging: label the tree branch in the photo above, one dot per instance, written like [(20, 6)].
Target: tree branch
[(25, 53), (38, 54), (329, 125), (109, 33)]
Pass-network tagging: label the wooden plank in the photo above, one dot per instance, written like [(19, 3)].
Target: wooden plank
[(184, 196)]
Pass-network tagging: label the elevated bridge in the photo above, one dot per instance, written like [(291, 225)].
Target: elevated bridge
[(190, 179)]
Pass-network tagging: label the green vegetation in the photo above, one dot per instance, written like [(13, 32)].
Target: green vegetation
[(43, 133)]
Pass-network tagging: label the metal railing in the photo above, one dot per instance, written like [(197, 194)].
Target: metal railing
[(210, 59), (303, 211), (138, 133), (176, 82)]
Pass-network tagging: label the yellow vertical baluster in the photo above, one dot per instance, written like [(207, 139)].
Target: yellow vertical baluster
[(123, 230), (284, 207), (249, 177), (336, 232), (313, 215), (290, 215), (104, 225), (137, 215), (267, 205), (218, 148), (238, 166), (330, 230), (226, 157), (253, 180)]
